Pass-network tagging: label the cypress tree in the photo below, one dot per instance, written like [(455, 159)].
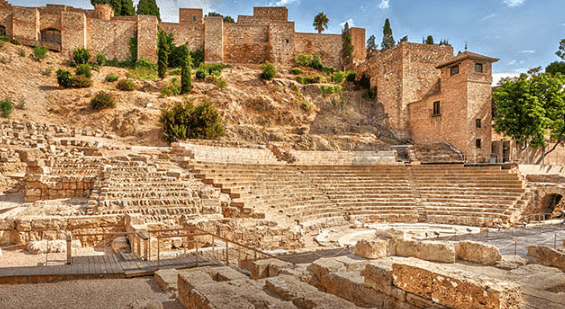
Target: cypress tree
[(186, 73), (148, 7), (371, 46), (163, 54), (347, 47), (388, 39), (127, 8)]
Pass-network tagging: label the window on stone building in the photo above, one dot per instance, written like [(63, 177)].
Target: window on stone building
[(51, 36), (478, 143), (437, 109), (479, 67), (287, 41), (454, 70), (478, 123), (2, 30)]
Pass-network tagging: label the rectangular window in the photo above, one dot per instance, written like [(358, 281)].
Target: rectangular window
[(454, 70), (437, 109), (479, 67), (478, 142), (478, 122)]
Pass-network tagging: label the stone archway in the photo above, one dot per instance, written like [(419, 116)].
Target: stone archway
[(2, 30), (553, 203), (51, 38)]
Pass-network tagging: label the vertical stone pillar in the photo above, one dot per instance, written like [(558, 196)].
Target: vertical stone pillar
[(73, 31), (69, 249), (358, 42), (213, 39), (25, 25), (147, 37)]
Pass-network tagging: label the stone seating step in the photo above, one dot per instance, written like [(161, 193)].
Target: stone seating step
[(147, 203)]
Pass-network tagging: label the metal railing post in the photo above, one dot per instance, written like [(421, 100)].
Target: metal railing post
[(69, 249), (227, 253), (158, 253), (196, 246)]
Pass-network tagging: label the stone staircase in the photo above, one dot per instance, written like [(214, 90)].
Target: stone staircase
[(138, 187), (469, 195)]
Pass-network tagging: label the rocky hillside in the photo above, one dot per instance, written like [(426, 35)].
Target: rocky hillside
[(254, 111)]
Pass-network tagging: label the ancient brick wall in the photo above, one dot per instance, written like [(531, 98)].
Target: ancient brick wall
[(103, 11), (271, 13), (327, 46), (25, 23), (49, 21), (282, 42), (73, 31), (358, 42), (98, 42), (125, 28), (147, 37), (190, 30), (245, 44), (6, 20), (213, 33)]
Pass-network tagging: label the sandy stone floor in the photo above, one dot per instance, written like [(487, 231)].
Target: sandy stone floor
[(100, 293)]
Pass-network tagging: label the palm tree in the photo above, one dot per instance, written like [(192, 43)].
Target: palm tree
[(321, 22)]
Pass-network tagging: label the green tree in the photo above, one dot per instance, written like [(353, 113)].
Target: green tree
[(321, 22), (186, 73), (429, 40), (388, 39), (347, 47), (213, 14), (163, 54), (127, 8), (561, 52), (148, 7), (371, 46), (532, 107), (229, 19), (444, 42), (404, 39), (556, 67)]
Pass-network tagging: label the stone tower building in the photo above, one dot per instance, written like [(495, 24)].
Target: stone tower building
[(431, 96)]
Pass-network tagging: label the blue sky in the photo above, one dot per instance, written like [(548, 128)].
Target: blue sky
[(522, 33)]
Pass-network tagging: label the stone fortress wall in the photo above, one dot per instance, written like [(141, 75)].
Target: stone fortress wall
[(267, 35)]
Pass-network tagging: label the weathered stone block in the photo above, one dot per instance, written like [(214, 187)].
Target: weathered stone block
[(372, 249), (477, 252), (455, 289), (548, 256), (435, 251)]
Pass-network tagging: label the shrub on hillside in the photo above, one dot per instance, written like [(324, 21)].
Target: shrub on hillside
[(350, 76), (330, 89), (221, 83), (22, 52), (81, 82), (100, 59), (269, 70), (183, 120), (6, 107), (296, 71), (125, 85), (338, 77), (370, 94), (64, 78), (84, 70), (112, 78), (201, 73), (81, 55), (316, 63), (171, 88), (7, 39), (40, 52), (303, 60), (102, 100)]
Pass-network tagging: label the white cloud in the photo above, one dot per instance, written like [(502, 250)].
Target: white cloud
[(513, 62), (496, 77), (384, 4), (513, 3), (527, 52), (285, 2), (349, 22), (488, 17)]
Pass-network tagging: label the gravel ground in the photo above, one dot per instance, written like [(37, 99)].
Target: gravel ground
[(97, 293)]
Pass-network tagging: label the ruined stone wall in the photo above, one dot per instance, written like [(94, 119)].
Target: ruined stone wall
[(358, 42), (6, 20), (125, 28), (282, 42), (98, 41), (25, 23), (213, 45), (147, 37), (479, 107), (272, 13), (327, 46), (245, 44), (73, 31), (49, 21)]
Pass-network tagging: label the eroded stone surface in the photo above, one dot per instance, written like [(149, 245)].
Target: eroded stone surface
[(429, 250), (477, 252), (548, 256), (372, 248)]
